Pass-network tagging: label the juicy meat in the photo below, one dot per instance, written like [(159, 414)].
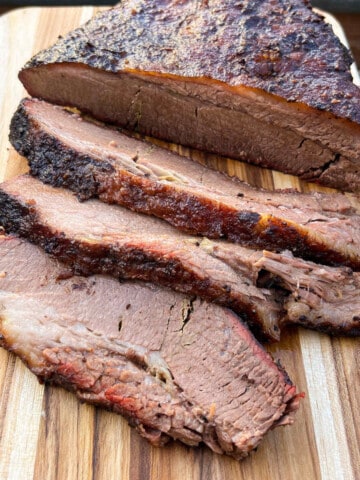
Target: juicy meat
[(66, 150), (98, 238), (265, 82), (267, 290), (174, 366), (324, 298)]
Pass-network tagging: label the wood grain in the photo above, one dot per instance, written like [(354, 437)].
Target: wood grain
[(45, 433)]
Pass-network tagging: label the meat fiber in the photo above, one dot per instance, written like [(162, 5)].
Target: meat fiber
[(66, 150), (98, 238), (266, 290), (174, 366), (264, 82)]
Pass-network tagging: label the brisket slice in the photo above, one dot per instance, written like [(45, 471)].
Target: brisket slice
[(66, 150), (321, 297), (98, 238), (264, 82), (267, 290), (174, 366)]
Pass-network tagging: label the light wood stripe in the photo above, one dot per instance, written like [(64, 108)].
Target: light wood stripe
[(63, 437), (16, 44), (20, 427), (294, 448), (112, 452), (346, 353), (325, 404)]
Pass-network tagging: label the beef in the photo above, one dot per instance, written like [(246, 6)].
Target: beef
[(321, 297), (174, 366), (264, 82), (266, 290), (64, 149), (98, 238)]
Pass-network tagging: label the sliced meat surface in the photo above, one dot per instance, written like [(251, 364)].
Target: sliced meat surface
[(98, 238), (95, 238), (66, 150), (321, 297), (174, 366), (264, 82)]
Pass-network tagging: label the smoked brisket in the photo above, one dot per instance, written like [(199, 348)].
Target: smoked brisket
[(64, 149), (266, 290), (264, 82), (174, 366)]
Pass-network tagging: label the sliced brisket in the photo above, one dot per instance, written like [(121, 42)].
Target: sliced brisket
[(64, 149), (265, 82), (96, 238), (321, 297), (174, 366)]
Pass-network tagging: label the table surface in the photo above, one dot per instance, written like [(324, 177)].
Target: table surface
[(45, 433)]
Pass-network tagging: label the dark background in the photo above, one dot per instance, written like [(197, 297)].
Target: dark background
[(346, 11)]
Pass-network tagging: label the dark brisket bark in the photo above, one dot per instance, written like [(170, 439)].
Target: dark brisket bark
[(174, 366), (264, 82), (96, 238), (66, 150)]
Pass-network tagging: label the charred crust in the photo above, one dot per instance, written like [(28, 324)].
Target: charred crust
[(282, 63), (120, 261), (280, 235), (248, 220), (284, 372), (330, 328), (14, 217), (20, 129), (52, 161)]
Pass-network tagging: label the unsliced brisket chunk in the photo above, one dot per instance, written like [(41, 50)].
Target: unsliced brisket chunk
[(96, 238), (66, 150), (265, 82), (174, 366)]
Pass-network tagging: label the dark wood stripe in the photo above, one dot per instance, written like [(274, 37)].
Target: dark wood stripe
[(140, 458)]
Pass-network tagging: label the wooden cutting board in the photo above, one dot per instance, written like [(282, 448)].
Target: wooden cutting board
[(45, 433)]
